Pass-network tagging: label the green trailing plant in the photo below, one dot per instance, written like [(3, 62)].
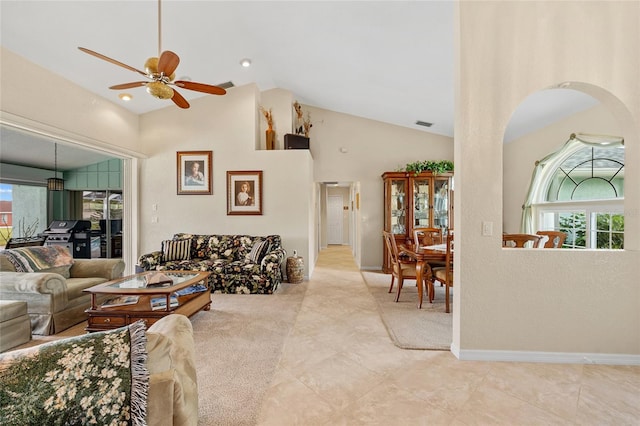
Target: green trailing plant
[(436, 167)]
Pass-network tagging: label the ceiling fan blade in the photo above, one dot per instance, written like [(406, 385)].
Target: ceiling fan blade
[(179, 100), (168, 62), (113, 61), (199, 87), (129, 85)]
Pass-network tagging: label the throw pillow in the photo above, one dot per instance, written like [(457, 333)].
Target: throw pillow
[(258, 251), (59, 382), (176, 250)]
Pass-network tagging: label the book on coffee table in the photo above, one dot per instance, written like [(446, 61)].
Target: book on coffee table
[(157, 279), (120, 301)]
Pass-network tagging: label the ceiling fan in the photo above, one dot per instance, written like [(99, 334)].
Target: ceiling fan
[(160, 74)]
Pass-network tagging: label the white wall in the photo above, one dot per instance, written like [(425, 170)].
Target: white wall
[(63, 107), (225, 125), (541, 305), (233, 132), (372, 149), (521, 154)]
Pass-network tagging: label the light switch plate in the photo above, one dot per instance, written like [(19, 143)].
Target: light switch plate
[(487, 229)]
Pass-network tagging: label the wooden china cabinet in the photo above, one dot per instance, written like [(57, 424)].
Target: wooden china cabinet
[(415, 201)]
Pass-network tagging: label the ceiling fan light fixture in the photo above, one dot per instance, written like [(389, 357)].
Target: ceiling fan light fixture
[(151, 66), (159, 90)]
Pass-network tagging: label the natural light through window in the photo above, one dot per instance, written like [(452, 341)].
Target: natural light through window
[(581, 193)]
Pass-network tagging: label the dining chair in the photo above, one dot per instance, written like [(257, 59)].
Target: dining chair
[(444, 274), (556, 238), (520, 240), (400, 269), (427, 236)]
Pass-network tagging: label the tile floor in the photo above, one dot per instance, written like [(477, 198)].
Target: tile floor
[(339, 367)]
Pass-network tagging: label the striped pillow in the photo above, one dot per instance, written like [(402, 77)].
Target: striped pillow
[(176, 250), (258, 251)]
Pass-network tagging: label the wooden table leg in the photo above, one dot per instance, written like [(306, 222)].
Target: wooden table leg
[(419, 281), (446, 297)]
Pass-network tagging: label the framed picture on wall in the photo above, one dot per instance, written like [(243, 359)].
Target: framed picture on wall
[(195, 172), (244, 192)]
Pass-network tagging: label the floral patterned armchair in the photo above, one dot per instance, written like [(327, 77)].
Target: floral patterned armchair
[(239, 263)]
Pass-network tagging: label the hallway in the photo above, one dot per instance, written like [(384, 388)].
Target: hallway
[(339, 367)]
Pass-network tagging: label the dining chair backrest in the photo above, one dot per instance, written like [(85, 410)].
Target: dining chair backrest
[(521, 240), (556, 238), (445, 273), (392, 247), (427, 236), (449, 257)]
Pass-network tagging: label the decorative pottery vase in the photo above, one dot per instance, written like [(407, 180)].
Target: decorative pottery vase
[(271, 139), (295, 269)]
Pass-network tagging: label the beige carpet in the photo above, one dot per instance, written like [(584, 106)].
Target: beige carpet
[(408, 326), (238, 345)]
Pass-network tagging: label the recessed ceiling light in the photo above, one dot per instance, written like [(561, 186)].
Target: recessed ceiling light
[(125, 97), (246, 62)]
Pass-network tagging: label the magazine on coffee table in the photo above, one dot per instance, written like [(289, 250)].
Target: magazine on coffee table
[(120, 301), (198, 288), (160, 302)]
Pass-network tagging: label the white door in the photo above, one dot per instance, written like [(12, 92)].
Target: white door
[(334, 219)]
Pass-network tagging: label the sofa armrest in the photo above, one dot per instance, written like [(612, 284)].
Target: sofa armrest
[(150, 261), (32, 282), (175, 363), (109, 269), (43, 291), (272, 262)]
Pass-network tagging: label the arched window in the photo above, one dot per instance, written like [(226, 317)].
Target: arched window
[(579, 190)]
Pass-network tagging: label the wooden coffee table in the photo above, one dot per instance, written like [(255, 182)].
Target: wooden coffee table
[(107, 318)]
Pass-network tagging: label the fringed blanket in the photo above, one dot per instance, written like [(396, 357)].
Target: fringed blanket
[(98, 378), (39, 259)]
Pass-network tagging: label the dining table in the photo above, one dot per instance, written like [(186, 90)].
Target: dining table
[(423, 255)]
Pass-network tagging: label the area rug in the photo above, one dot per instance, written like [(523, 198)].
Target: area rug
[(238, 346), (408, 326)]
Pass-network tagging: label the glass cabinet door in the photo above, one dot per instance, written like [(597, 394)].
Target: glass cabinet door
[(421, 191), (398, 207), (441, 203)]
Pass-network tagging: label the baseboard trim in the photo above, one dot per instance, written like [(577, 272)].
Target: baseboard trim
[(371, 268), (546, 357)]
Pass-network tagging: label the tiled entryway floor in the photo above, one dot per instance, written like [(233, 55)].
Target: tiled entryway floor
[(339, 367)]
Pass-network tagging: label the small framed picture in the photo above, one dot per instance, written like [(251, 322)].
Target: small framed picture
[(244, 192), (195, 172)]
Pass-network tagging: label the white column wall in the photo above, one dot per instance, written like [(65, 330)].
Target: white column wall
[(541, 305)]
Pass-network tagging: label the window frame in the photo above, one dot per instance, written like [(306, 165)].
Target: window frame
[(588, 207), (536, 204)]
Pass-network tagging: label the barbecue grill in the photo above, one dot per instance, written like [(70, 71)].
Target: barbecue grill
[(75, 235)]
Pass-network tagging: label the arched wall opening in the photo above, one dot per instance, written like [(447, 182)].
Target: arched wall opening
[(541, 125)]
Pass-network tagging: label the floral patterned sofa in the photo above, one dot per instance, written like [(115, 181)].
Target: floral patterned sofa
[(239, 263)]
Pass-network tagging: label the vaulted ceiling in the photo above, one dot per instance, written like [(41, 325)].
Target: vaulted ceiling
[(390, 61)]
